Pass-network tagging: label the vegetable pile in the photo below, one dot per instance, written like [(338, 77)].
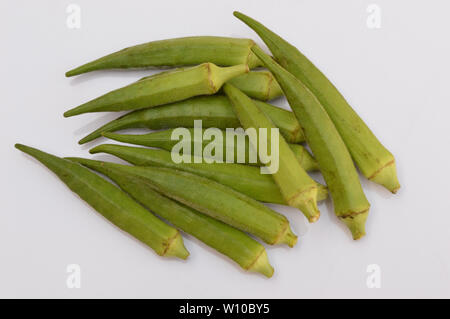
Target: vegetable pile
[(220, 203)]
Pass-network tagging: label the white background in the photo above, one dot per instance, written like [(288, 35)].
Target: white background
[(396, 77)]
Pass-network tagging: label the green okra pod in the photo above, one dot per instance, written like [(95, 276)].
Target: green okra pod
[(213, 111), (164, 88), (213, 199), (221, 51), (335, 162), (260, 85), (235, 244), (113, 204), (164, 140), (242, 178), (373, 159), (297, 188)]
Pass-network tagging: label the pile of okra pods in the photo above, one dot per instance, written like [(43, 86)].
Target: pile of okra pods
[(217, 201)]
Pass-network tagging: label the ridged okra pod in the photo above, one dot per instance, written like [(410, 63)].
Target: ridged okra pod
[(235, 244), (164, 140), (221, 51), (297, 187), (167, 87), (335, 162), (373, 159), (260, 85), (242, 178), (213, 111), (114, 204), (215, 200)]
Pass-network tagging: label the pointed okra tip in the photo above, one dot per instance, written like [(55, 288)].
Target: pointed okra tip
[(70, 73), (356, 223), (176, 248), (27, 149), (262, 265), (97, 149), (239, 15)]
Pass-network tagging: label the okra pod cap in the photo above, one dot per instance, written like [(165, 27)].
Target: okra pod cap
[(260, 85)]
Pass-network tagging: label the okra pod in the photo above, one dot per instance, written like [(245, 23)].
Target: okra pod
[(167, 87), (221, 51), (242, 178), (373, 159), (297, 188), (335, 162), (213, 111), (164, 140), (235, 244), (213, 199), (260, 85), (114, 204)]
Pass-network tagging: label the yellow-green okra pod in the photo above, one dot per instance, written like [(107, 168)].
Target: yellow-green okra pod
[(335, 162), (242, 178), (164, 88), (164, 140), (298, 189), (260, 85), (113, 204), (221, 51), (235, 244), (213, 111), (215, 200), (373, 159)]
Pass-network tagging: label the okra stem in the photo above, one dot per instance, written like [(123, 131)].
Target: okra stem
[(259, 85)]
